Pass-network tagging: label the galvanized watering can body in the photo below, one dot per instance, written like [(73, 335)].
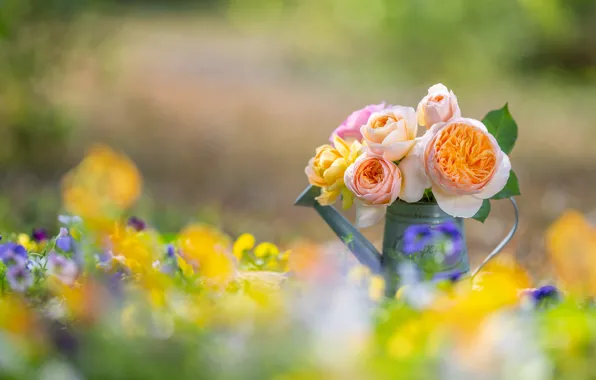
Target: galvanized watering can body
[(400, 216)]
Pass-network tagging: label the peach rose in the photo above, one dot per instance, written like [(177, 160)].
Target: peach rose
[(464, 164), (440, 105), (376, 182), (391, 132), (326, 169)]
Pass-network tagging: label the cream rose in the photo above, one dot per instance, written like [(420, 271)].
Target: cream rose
[(440, 105), (376, 182), (464, 164), (391, 132)]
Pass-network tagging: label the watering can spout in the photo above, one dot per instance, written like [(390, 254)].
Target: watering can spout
[(364, 251)]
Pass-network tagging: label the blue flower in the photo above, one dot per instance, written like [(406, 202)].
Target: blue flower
[(64, 241), (19, 278), (13, 254), (417, 237), (170, 251)]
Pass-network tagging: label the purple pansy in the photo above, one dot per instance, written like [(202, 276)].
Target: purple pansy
[(544, 292), (13, 254), (40, 234), (137, 223), (417, 237), (64, 240), (19, 278), (63, 268)]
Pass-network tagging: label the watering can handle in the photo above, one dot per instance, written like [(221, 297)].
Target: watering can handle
[(503, 242)]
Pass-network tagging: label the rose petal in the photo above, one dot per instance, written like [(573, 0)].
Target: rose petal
[(411, 124), (439, 87), (335, 171), (375, 148), (397, 150), (367, 216), (499, 180), (462, 206), (465, 120), (399, 134), (414, 180), (342, 147), (456, 112), (420, 114)]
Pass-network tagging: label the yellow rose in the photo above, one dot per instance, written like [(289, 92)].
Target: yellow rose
[(326, 169)]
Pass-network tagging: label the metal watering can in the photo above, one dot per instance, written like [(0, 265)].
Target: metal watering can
[(400, 215)]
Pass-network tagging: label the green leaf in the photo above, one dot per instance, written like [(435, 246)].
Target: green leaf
[(500, 124), (511, 189), (482, 214)]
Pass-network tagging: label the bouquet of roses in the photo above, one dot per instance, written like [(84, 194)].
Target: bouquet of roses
[(377, 158)]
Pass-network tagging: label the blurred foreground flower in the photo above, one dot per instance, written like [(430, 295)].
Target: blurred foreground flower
[(101, 186), (208, 251), (61, 267), (571, 244)]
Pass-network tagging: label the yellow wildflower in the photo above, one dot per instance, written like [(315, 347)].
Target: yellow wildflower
[(206, 248), (25, 241), (497, 286), (186, 268), (245, 242), (75, 233), (376, 288), (137, 251), (266, 249)]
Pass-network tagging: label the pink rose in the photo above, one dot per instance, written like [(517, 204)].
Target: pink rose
[(350, 128), (376, 182)]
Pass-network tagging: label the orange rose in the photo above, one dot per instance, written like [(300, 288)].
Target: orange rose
[(465, 165)]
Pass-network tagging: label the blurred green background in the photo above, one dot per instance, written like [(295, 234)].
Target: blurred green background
[(222, 102)]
